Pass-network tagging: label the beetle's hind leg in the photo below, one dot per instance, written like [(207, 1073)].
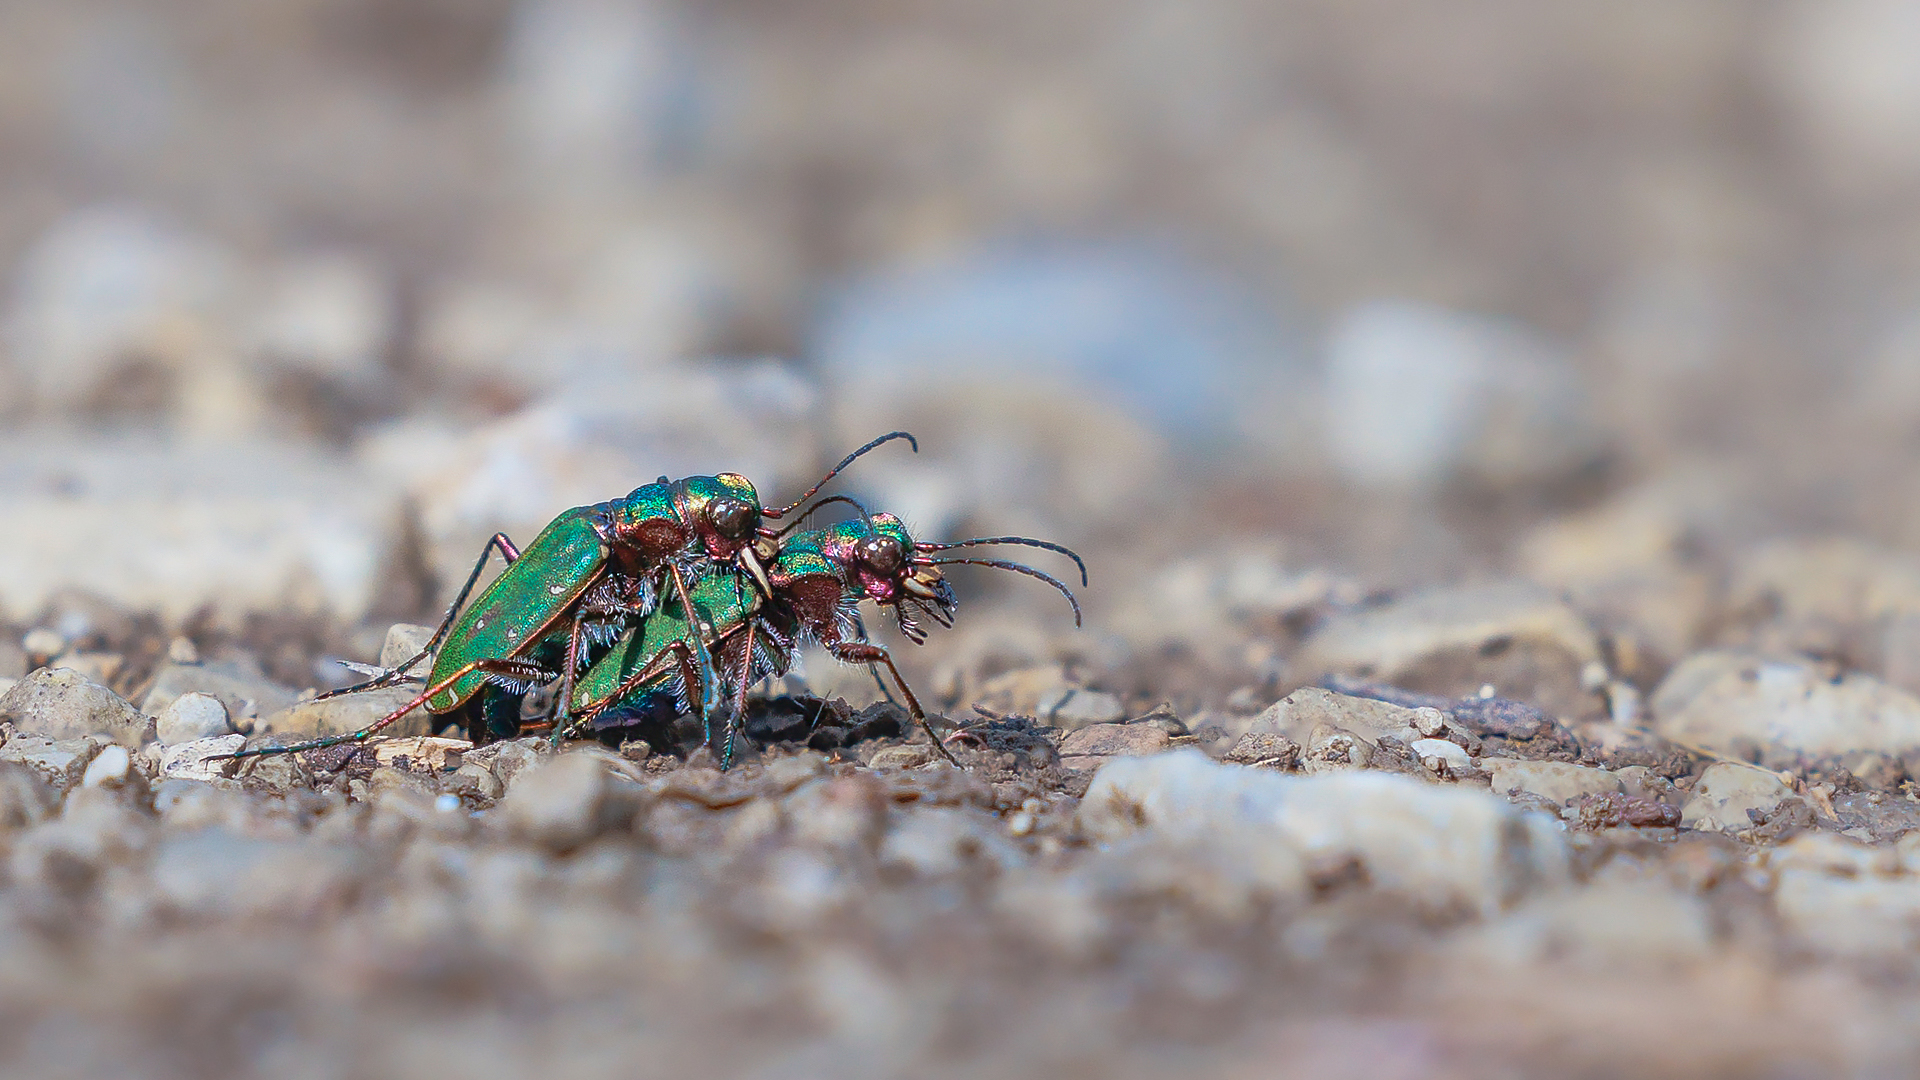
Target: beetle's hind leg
[(509, 551)]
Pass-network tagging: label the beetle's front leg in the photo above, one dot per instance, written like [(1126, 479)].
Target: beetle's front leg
[(865, 652)]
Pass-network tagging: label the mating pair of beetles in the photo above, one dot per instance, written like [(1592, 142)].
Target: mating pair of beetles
[(679, 588)]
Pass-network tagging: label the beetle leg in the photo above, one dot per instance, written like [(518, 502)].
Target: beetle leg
[(709, 681), (565, 700), (860, 634), (675, 652), (865, 652), (738, 721), (516, 669), (509, 551)]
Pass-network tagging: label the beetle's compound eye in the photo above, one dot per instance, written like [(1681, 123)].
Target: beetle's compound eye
[(883, 555), (732, 518)]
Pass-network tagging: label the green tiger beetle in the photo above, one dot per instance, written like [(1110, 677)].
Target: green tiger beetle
[(818, 580), (589, 574)]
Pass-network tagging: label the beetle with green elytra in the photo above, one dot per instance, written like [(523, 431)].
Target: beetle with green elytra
[(591, 573), (818, 579)]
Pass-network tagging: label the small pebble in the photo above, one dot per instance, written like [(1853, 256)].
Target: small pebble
[(109, 767), (181, 650), (43, 642)]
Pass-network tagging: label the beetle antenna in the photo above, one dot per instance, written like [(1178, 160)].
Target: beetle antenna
[(1025, 540), (848, 499), (783, 511), (1018, 568)]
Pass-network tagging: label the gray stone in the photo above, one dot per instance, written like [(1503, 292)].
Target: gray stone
[(1297, 715), (1418, 393), (403, 642), (1439, 845), (1089, 746), (905, 756), (1266, 750), (25, 796), (1785, 712), (563, 802), (191, 716), (510, 758), (349, 713), (1073, 708), (60, 703), (1726, 791), (213, 874), (1559, 781), (238, 682), (1517, 637), (60, 763)]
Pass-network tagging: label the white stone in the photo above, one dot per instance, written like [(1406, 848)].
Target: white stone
[(1560, 781), (188, 761), (192, 716), (41, 641), (1733, 703), (1440, 750), (108, 768), (1726, 791), (1444, 846), (1613, 924)]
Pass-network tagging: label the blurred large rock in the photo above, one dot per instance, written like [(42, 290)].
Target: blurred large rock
[(114, 306), (1832, 597), (177, 527), (349, 713), (1625, 564), (1441, 847), (236, 681), (1044, 382), (1845, 70), (610, 428), (1451, 641), (1787, 713), (1417, 394)]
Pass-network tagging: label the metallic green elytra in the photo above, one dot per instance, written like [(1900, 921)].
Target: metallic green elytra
[(519, 611)]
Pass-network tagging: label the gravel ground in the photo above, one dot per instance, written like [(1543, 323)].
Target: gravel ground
[(1395, 869), (1489, 426)]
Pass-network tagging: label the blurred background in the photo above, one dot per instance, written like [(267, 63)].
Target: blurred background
[(302, 299)]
